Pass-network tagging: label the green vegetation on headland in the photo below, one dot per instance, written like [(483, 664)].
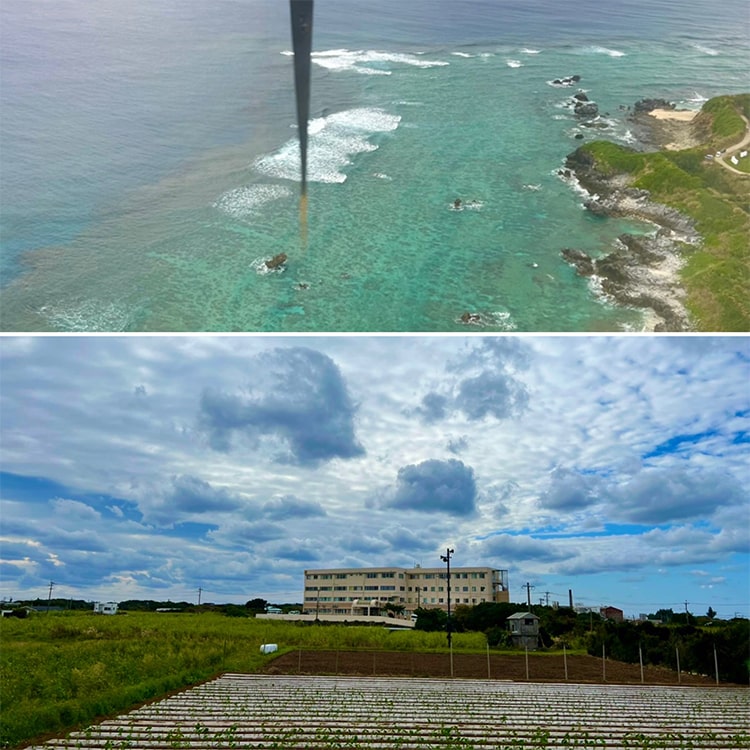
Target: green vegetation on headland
[(716, 275), (62, 670)]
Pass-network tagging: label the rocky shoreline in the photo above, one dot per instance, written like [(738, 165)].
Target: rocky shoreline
[(641, 271)]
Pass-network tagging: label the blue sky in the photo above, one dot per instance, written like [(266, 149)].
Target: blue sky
[(150, 467)]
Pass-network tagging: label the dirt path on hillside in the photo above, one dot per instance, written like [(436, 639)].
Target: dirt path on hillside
[(541, 667), (736, 149)]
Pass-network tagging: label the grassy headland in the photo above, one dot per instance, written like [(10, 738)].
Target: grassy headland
[(716, 275)]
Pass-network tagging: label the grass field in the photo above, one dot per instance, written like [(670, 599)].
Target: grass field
[(717, 275), (61, 670)]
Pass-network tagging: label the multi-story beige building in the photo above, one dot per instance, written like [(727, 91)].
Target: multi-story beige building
[(360, 591)]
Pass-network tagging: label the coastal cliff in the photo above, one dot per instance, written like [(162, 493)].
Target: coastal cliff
[(692, 271)]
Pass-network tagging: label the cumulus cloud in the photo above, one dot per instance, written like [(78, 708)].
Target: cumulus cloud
[(570, 490), (433, 407), (482, 383), (189, 494), (658, 496), (435, 486), (457, 445), (297, 396), (490, 394)]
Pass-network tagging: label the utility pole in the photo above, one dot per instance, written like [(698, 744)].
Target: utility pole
[(446, 558), (49, 596), (528, 588), (546, 597), (199, 595)]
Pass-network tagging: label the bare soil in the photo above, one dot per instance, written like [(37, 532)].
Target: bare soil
[(541, 667)]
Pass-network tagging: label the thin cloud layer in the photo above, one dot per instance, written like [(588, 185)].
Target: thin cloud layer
[(137, 467)]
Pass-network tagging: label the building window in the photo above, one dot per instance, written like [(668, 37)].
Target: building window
[(371, 575)]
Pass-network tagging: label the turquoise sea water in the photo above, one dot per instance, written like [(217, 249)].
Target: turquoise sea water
[(149, 164)]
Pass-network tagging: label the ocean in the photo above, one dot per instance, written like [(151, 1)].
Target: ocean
[(149, 167)]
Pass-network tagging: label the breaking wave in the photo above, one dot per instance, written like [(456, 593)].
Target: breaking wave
[(333, 140), (598, 50), (369, 62), (91, 315), (247, 200)]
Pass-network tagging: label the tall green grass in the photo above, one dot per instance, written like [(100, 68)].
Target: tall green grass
[(716, 276), (62, 670)]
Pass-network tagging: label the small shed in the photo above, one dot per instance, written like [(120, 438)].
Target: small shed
[(524, 629), (612, 613)]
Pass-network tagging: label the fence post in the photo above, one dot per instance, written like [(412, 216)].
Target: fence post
[(299, 661), (527, 663), (374, 653), (451, 652), (640, 659), (565, 662), (679, 675), (336, 671), (604, 664), (716, 665), (489, 675)]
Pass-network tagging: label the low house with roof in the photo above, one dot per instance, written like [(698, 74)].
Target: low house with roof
[(524, 629)]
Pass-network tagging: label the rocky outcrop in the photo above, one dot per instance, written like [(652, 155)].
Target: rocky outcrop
[(276, 262), (649, 105), (641, 271), (566, 81), (586, 109)]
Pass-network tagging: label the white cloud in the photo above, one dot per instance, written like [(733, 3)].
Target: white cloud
[(633, 450)]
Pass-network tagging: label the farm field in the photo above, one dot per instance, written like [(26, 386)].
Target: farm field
[(541, 667), (284, 711), (63, 671)]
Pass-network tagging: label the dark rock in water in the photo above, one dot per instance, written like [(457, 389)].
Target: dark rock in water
[(647, 105), (586, 109), (582, 262), (468, 317), (277, 261), (581, 97), (566, 81), (596, 207), (579, 136)]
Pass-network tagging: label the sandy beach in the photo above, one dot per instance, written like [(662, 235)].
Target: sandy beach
[(681, 115)]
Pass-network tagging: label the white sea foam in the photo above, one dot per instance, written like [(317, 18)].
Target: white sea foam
[(89, 315), (333, 140), (249, 199), (514, 63), (260, 267), (369, 62), (697, 98), (461, 54), (705, 50), (527, 51), (596, 49)]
